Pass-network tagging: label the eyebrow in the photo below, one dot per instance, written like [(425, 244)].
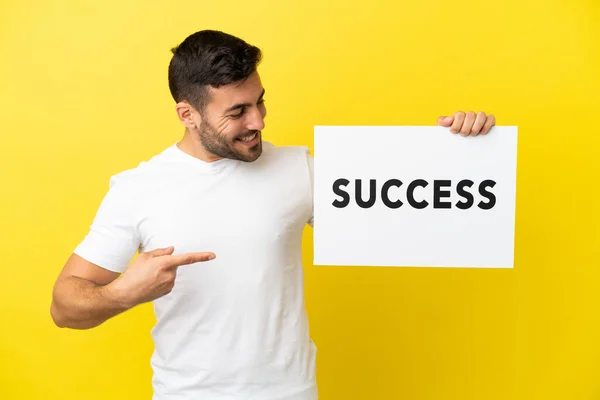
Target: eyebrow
[(241, 105)]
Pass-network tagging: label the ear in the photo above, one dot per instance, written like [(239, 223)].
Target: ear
[(187, 114)]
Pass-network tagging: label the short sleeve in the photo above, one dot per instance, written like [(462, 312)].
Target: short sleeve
[(112, 239), (311, 169)]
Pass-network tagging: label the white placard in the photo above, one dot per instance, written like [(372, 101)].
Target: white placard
[(440, 199)]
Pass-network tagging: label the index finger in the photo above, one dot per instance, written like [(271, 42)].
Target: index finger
[(187, 258)]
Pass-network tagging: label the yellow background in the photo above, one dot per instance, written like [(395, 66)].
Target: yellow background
[(84, 95)]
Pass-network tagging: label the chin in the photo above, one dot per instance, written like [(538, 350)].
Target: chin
[(253, 153), (247, 152)]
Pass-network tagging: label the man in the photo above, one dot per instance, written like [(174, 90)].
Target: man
[(234, 327)]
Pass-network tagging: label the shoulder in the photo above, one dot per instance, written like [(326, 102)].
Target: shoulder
[(292, 162), (285, 153), (147, 173)]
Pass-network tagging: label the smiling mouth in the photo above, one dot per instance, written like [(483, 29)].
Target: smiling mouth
[(249, 140)]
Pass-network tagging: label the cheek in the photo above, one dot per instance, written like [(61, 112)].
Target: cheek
[(231, 129)]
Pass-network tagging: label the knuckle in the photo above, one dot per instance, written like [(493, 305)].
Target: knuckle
[(153, 269), (163, 266), (470, 114)]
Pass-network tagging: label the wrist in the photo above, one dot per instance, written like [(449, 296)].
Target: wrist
[(115, 293)]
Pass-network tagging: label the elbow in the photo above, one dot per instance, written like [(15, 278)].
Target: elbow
[(57, 317), (62, 320), (59, 311)]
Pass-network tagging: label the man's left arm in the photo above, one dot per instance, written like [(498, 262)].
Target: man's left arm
[(469, 123)]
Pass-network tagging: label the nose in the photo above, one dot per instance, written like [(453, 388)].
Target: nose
[(255, 120)]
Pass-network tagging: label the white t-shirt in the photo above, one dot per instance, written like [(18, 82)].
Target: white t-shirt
[(234, 327)]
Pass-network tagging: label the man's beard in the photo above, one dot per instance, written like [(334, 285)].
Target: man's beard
[(221, 146)]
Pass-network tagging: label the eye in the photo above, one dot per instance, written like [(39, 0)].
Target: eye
[(238, 115)]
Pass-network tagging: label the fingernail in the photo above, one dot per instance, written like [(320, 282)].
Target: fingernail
[(211, 257)]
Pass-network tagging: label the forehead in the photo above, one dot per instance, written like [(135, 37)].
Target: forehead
[(245, 91)]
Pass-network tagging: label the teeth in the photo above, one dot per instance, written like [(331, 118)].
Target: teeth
[(248, 138)]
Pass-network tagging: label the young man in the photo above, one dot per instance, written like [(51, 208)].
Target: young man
[(234, 327)]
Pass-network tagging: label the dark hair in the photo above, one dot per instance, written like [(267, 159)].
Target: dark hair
[(209, 58)]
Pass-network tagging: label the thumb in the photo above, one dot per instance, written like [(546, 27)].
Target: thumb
[(160, 252), (445, 121)]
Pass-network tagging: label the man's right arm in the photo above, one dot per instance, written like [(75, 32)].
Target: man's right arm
[(85, 295)]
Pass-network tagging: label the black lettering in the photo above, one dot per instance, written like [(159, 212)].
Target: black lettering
[(384, 193), (372, 194), (438, 194), (410, 194), (460, 189), (488, 195), (337, 189)]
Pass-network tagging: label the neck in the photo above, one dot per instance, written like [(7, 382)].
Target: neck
[(191, 144)]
